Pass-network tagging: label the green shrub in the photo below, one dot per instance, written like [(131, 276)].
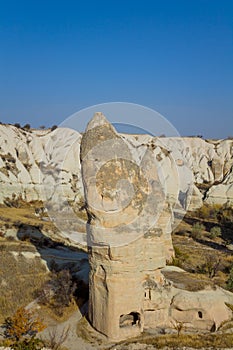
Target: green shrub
[(179, 258), (215, 232), (209, 211), (197, 229)]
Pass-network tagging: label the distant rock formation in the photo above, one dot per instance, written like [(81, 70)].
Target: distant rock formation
[(39, 164), (129, 205), (44, 165)]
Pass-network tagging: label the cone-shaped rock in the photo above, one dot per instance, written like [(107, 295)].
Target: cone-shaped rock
[(125, 204)]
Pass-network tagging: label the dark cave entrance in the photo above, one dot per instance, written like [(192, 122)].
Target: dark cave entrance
[(128, 320)]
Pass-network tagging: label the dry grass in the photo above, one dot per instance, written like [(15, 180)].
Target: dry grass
[(188, 281), (25, 215), (194, 253), (172, 341), (48, 313), (195, 341), (20, 277)]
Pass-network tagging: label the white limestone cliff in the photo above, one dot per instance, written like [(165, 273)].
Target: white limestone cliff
[(39, 165), (44, 165)]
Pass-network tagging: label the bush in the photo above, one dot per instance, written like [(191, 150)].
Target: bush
[(178, 326), (215, 232), (27, 127), (22, 325), (209, 211), (58, 291), (17, 125), (179, 259), (204, 212), (212, 265), (197, 229), (28, 344), (53, 127)]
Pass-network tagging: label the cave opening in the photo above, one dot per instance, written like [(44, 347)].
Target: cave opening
[(131, 319)]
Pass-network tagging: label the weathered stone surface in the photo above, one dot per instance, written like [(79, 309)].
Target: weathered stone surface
[(221, 193), (128, 222), (130, 198), (204, 309)]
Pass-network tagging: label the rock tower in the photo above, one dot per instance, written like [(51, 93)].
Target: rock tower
[(128, 229)]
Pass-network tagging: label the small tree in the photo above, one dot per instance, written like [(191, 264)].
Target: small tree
[(58, 291), (57, 338), (22, 324), (178, 326), (212, 265), (63, 288)]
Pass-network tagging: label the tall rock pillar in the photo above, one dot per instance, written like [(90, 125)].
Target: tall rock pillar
[(126, 228)]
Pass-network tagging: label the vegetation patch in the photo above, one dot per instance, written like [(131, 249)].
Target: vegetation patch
[(196, 341), (20, 277)]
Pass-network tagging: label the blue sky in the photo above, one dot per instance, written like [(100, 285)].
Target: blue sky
[(175, 56)]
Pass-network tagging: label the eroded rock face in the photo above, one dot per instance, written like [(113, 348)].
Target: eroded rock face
[(204, 310), (130, 198), (44, 165), (40, 165), (128, 229)]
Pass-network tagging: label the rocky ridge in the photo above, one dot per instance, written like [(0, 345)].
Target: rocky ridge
[(44, 165)]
